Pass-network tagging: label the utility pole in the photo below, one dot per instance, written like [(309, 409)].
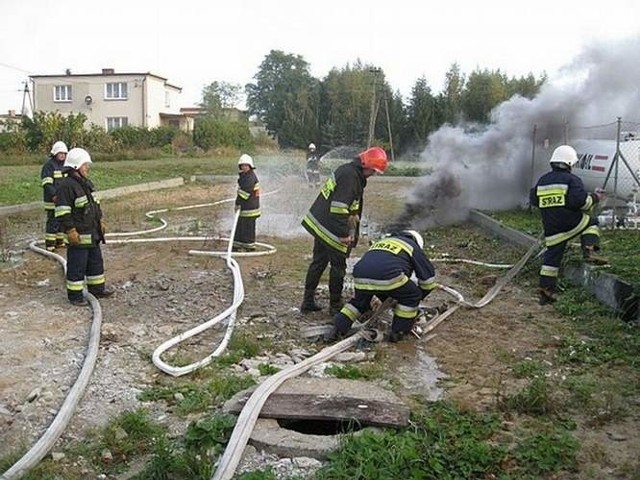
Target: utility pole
[(26, 95), (373, 114)]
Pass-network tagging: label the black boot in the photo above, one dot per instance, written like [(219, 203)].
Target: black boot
[(309, 302), (335, 303)]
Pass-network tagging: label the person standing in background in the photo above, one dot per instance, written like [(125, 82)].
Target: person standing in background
[(313, 167), (50, 176), (248, 202)]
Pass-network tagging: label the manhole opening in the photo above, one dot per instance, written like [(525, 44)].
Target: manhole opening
[(320, 427)]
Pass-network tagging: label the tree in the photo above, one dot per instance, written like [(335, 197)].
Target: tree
[(347, 105), (285, 97), (220, 95), (421, 113), (452, 95), (484, 90)]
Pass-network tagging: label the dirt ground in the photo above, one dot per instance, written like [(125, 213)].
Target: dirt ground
[(161, 291)]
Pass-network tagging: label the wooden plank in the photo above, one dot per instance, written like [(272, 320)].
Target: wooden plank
[(330, 400)]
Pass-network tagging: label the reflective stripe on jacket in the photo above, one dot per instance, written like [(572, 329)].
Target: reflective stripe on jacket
[(50, 176), (389, 264), (564, 205), (76, 208), (340, 197), (248, 194)]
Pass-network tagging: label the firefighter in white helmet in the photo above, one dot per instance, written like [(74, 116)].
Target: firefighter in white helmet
[(313, 166), (248, 203), (565, 208), (50, 176), (81, 220), (385, 271)]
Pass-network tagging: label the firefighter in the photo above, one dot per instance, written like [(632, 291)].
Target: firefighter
[(248, 202), (313, 167), (81, 221), (564, 207), (385, 271), (333, 221), (50, 177)]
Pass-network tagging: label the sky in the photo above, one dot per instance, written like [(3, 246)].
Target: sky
[(195, 42)]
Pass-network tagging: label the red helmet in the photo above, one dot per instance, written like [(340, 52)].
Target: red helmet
[(374, 158)]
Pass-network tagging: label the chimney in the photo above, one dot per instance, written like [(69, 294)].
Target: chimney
[(108, 71)]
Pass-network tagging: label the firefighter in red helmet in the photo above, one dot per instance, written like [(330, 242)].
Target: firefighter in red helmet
[(333, 221)]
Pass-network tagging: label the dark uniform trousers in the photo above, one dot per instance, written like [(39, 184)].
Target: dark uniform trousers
[(322, 256), (408, 297), (53, 236), (81, 260), (552, 256)]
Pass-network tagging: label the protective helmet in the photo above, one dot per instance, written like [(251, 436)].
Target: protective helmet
[(416, 236), (59, 147), (564, 154), (312, 146), (246, 160), (374, 158), (76, 158)]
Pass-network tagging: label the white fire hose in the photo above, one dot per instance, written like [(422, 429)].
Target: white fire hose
[(230, 459), (46, 442)]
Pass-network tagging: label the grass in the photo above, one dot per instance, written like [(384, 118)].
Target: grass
[(622, 247), (445, 443), (587, 378), (21, 183)]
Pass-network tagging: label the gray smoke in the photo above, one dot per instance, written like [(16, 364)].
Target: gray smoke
[(492, 169)]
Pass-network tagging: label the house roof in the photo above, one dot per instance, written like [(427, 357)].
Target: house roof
[(110, 74)]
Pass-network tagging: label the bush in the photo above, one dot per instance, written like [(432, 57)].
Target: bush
[(211, 133)]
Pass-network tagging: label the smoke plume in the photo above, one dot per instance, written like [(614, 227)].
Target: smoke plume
[(493, 169)]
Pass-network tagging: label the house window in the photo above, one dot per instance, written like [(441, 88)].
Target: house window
[(116, 122), (167, 99), (62, 93), (116, 91)]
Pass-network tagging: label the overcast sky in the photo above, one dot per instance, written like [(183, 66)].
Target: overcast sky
[(192, 43)]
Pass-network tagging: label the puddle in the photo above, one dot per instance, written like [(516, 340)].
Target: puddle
[(417, 372)]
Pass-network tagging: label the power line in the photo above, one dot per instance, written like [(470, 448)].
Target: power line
[(12, 67)]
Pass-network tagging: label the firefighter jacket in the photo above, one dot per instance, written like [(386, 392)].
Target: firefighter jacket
[(389, 264), (50, 176), (313, 162), (339, 198), (76, 208), (248, 194), (564, 205)]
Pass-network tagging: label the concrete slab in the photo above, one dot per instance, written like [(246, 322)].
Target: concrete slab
[(330, 399), (609, 289)]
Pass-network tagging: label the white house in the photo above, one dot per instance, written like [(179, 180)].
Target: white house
[(111, 99)]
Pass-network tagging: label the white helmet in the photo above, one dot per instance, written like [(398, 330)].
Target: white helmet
[(246, 160), (416, 236), (76, 158), (59, 147), (312, 146), (564, 154)]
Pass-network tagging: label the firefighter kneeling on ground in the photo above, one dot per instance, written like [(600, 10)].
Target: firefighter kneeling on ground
[(385, 271), (565, 208), (80, 217)]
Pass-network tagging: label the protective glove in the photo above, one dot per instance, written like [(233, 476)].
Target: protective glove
[(103, 227), (353, 222), (600, 194), (74, 237)]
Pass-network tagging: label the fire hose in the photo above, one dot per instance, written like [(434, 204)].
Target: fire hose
[(46, 442), (228, 462)]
